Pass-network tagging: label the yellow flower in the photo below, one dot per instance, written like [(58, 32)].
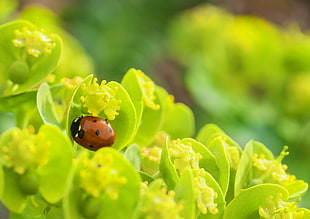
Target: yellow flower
[(152, 153), (71, 83), (233, 156), (25, 150), (148, 90), (232, 153), (273, 170), (183, 156), (205, 195), (100, 98), (35, 42), (276, 208), (160, 138), (101, 176), (159, 203)]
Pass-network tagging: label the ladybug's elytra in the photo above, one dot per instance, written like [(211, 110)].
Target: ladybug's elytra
[(92, 132)]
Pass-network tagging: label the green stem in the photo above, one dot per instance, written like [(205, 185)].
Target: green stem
[(46, 210), (32, 201), (22, 118)]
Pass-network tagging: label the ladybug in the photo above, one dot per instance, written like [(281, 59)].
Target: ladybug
[(92, 132)]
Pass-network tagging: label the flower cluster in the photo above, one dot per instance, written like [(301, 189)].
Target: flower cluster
[(100, 98), (25, 150), (276, 208), (152, 153), (159, 203), (232, 153), (100, 175), (204, 194), (185, 157), (273, 170), (35, 42)]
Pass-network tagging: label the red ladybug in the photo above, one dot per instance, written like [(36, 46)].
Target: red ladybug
[(92, 132)]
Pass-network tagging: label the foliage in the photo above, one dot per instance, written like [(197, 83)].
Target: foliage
[(245, 64), (152, 170), (253, 75)]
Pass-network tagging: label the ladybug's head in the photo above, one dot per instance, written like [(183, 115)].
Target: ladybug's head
[(75, 126)]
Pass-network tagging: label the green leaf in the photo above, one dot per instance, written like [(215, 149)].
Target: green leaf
[(306, 213), (35, 209), (167, 169), (145, 177), (184, 194), (22, 101), (46, 106), (230, 194), (179, 121), (244, 171), (133, 155), (216, 146), (207, 131), (52, 180), (23, 106), (210, 131), (247, 202), (131, 83), (125, 123), (39, 67), (151, 120), (7, 121), (147, 126), (297, 188), (13, 198)]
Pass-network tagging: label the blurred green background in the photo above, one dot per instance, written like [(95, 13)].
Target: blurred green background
[(244, 65)]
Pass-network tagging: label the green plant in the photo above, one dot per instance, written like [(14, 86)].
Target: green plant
[(155, 168), (255, 74)]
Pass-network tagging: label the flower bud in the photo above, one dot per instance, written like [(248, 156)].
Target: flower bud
[(90, 207), (29, 183), (19, 72)]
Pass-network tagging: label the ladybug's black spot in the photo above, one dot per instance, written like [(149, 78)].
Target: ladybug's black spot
[(81, 133), (97, 132), (95, 121), (91, 146)]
